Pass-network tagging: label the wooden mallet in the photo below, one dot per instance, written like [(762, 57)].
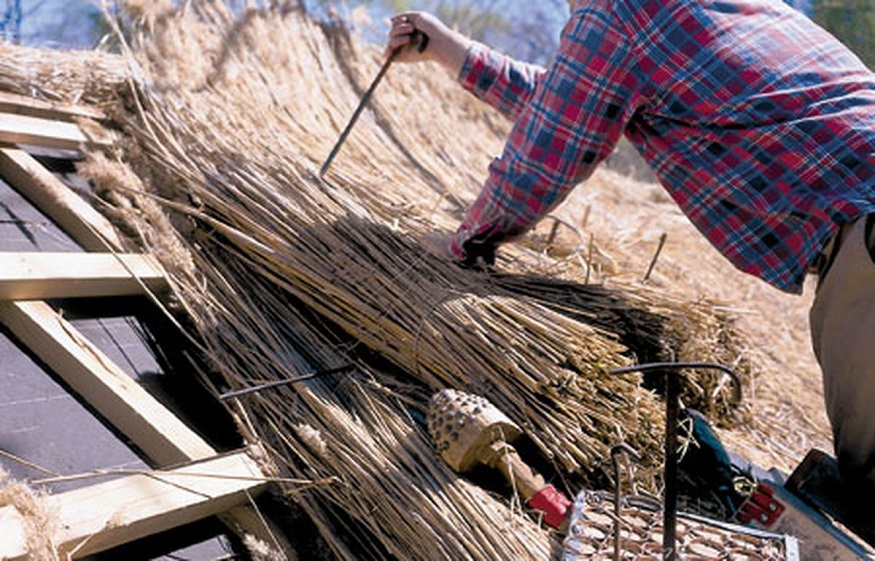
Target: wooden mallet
[(468, 431)]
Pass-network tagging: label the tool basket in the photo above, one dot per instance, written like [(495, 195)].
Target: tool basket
[(593, 525)]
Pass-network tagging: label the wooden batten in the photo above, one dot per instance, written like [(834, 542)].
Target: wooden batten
[(69, 211), (42, 275), (32, 107), (105, 515), (22, 129)]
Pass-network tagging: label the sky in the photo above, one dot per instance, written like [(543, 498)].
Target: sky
[(56, 23), (71, 23)]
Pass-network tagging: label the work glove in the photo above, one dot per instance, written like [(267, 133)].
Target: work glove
[(479, 256)]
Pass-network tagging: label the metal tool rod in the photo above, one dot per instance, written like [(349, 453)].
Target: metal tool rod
[(670, 512), (418, 40), (653, 366), (286, 382), (358, 111)]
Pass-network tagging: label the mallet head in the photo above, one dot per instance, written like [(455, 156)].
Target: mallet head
[(463, 426)]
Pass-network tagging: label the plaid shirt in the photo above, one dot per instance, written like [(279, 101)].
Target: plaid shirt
[(759, 124)]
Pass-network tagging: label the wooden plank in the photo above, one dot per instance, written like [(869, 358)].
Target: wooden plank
[(21, 129), (103, 385), (105, 515), (57, 201), (41, 275), (33, 107)]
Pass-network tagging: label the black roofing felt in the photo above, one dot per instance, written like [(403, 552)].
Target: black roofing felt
[(46, 430)]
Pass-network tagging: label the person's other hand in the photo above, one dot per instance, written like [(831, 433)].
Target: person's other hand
[(443, 44)]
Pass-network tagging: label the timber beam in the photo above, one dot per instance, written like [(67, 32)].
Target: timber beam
[(49, 133), (75, 216), (124, 403), (42, 275), (109, 514)]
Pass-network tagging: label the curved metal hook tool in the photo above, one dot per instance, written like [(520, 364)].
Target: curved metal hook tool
[(672, 409)]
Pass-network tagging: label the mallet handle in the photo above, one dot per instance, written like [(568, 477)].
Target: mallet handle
[(505, 458)]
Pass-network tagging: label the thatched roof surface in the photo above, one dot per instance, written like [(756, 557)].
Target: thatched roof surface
[(281, 273)]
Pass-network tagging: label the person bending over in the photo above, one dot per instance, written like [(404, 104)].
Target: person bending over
[(759, 124)]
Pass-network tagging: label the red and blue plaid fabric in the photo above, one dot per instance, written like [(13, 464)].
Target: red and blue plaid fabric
[(759, 123)]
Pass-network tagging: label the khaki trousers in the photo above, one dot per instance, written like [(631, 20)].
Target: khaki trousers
[(843, 335)]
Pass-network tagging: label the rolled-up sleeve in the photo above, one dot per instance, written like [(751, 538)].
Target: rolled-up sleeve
[(568, 124)]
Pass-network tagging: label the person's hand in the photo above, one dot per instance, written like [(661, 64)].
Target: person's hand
[(443, 44), (402, 36), (437, 244)]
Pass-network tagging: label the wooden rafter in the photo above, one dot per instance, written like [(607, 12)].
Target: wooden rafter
[(69, 211), (103, 385), (126, 405)]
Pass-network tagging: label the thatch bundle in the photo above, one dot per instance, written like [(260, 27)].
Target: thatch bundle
[(40, 521), (93, 78), (282, 273)]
